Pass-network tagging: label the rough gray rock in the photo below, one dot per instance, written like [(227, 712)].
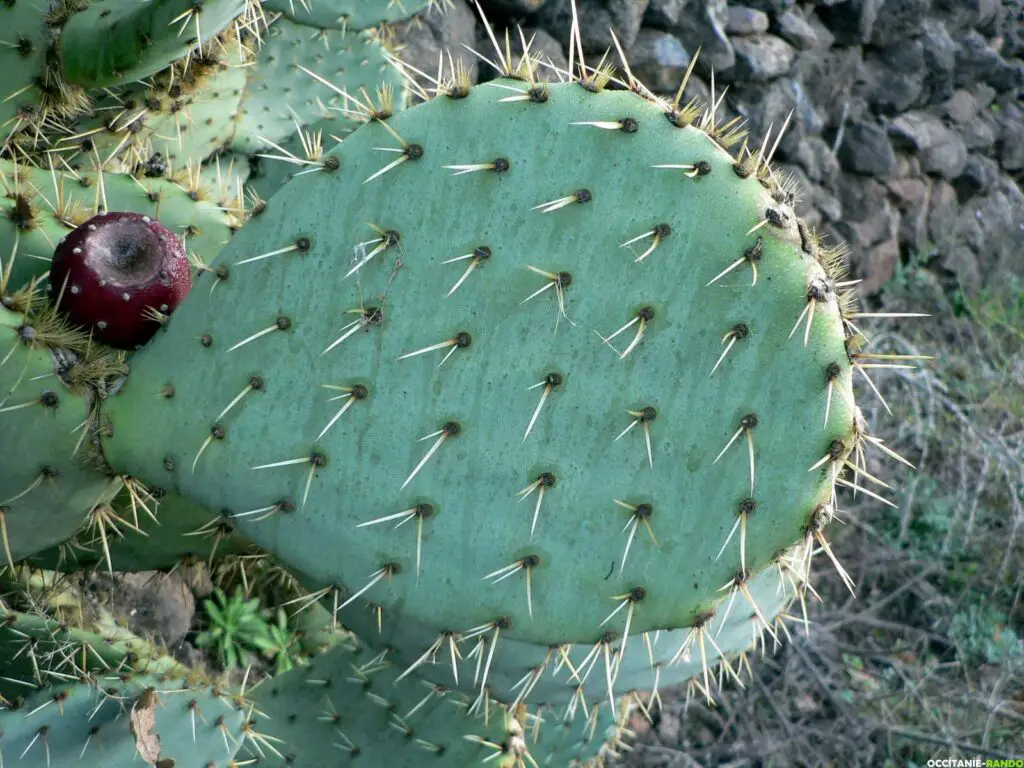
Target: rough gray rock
[(939, 60), (976, 61), (895, 77), (866, 150), (543, 46), (155, 603), (760, 59), (979, 175), (426, 35), (851, 21), (597, 18), (794, 29), (815, 156), (1010, 142), (910, 196), (961, 107), (659, 60), (940, 149), (766, 107), (742, 20), (703, 26), (665, 14), (963, 14), (898, 21), (513, 6)]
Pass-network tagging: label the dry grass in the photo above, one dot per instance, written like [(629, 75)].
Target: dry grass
[(928, 661)]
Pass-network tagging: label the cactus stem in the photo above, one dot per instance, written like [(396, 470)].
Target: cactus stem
[(644, 416), (541, 484), (737, 332), (659, 233), (281, 324), (461, 340), (478, 257), (579, 196), (639, 513), (551, 382), (300, 244), (747, 425)]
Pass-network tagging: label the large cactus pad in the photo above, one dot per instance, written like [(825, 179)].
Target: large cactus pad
[(518, 363)]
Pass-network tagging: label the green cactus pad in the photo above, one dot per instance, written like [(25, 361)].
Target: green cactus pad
[(348, 14), (183, 532), (36, 649), (349, 704), (185, 115), (651, 661), (32, 90), (41, 207), (46, 489), (111, 720), (466, 403), (110, 42), (280, 97), (271, 169)]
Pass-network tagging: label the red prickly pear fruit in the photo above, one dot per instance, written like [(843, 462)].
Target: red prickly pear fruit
[(120, 275)]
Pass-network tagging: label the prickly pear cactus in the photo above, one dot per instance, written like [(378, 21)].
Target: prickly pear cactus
[(349, 14), (36, 649), (122, 721), (177, 532), (283, 92), (47, 488), (41, 207), (542, 363), (351, 699), (109, 42)]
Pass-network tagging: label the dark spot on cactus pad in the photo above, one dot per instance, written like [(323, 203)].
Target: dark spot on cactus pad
[(775, 217), (217, 431), (832, 372), (818, 290), (110, 270), (463, 340), (206, 340), (49, 399), (583, 196), (538, 94), (836, 449), (553, 380), (747, 507), (501, 165), (22, 214), (648, 414), (169, 464), (564, 279), (414, 151), (749, 421), (452, 428), (646, 314), (753, 253)]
